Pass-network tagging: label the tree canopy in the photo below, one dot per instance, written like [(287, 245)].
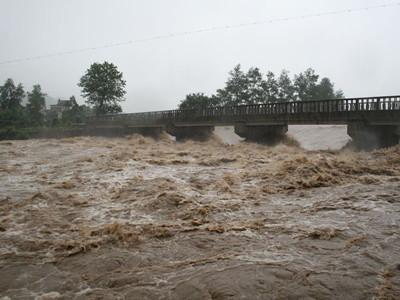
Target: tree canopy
[(103, 87), (235, 91), (36, 105), (198, 101), (11, 96), (20, 122), (11, 110), (75, 113), (253, 87)]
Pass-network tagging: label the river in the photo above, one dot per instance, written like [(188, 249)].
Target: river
[(135, 218)]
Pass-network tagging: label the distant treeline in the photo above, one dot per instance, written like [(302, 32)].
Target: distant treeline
[(102, 86), (253, 87), (19, 121)]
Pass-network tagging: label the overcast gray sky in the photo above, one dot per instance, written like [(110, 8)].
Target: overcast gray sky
[(359, 51)]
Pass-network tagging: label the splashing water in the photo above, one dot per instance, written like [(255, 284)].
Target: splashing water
[(135, 218)]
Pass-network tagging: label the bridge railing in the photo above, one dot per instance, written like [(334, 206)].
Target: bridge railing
[(321, 107)]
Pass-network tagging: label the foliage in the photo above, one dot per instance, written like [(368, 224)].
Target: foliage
[(252, 87), (14, 117), (198, 101), (11, 96), (305, 85), (286, 89), (271, 88), (75, 113), (36, 105), (19, 122), (12, 113), (103, 87), (16, 133), (235, 91), (255, 92), (325, 90)]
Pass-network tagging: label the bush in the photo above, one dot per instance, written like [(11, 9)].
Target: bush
[(13, 133)]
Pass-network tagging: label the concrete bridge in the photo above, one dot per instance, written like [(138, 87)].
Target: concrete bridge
[(372, 122)]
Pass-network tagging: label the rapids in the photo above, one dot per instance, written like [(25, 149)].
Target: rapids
[(135, 218)]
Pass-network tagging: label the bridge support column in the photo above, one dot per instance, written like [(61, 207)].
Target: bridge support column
[(270, 134), (199, 133), (369, 137)]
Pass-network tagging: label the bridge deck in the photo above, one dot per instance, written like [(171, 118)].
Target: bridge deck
[(373, 110)]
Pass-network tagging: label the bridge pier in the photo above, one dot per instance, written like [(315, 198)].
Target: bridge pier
[(199, 133), (369, 137), (269, 134)]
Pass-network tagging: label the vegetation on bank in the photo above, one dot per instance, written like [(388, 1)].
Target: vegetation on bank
[(253, 87), (102, 86), (18, 121)]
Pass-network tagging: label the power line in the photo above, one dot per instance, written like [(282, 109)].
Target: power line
[(201, 30)]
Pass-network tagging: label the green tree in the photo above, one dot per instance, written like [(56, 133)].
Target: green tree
[(306, 85), (339, 94), (286, 88), (11, 96), (36, 105), (103, 87), (75, 113), (12, 113), (235, 91), (72, 101), (255, 86), (271, 88), (198, 101), (325, 90), (13, 117)]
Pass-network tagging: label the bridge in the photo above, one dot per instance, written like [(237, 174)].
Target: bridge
[(372, 122)]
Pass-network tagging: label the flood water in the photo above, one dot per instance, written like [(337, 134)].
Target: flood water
[(135, 218)]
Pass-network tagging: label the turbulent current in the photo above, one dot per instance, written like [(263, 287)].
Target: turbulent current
[(135, 218)]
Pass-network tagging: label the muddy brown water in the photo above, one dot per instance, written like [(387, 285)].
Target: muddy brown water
[(132, 218)]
